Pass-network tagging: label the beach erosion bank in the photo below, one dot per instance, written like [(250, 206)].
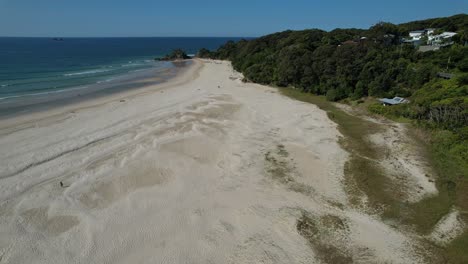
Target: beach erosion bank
[(202, 168)]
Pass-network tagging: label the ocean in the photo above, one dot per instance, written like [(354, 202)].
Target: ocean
[(41, 71)]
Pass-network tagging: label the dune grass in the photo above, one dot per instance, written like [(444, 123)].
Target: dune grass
[(364, 176), (317, 230)]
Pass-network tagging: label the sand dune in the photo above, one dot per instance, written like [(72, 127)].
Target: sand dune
[(202, 169)]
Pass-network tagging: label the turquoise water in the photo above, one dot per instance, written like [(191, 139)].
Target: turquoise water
[(44, 67)]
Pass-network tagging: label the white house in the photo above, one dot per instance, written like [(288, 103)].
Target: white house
[(417, 34), (444, 38), (430, 31)]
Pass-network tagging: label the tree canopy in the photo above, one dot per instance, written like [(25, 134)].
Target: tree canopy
[(354, 63), (177, 54)]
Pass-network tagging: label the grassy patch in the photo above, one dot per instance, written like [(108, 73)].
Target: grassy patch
[(456, 251), (320, 239), (362, 169), (282, 151), (390, 112), (364, 175), (279, 168)]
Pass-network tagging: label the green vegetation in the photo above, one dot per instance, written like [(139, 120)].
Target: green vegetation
[(177, 54), (453, 23), (347, 62), (278, 167), (456, 252), (320, 232), (361, 170), (363, 176)]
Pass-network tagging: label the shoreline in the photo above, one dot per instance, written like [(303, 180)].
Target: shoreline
[(32, 102), (94, 98)]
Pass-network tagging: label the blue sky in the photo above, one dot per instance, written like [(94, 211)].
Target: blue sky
[(106, 18)]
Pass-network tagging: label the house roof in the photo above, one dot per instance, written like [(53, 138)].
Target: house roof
[(448, 34), (393, 101), (444, 35), (412, 40)]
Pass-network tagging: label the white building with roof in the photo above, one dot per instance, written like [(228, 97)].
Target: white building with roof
[(441, 39), (417, 34), (430, 31)]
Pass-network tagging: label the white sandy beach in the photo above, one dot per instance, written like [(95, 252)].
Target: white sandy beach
[(181, 172)]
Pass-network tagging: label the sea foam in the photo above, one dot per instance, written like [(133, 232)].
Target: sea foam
[(87, 72)]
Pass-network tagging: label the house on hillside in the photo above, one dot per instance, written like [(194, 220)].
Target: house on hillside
[(416, 37), (430, 31), (393, 101), (429, 38), (417, 34), (443, 39)]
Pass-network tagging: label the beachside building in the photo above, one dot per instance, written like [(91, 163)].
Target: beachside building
[(417, 34), (443, 39), (428, 37), (430, 31), (393, 101)]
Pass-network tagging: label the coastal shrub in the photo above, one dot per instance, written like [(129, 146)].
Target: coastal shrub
[(332, 95), (451, 152), (378, 108), (463, 64), (204, 53), (462, 79), (352, 62), (177, 54)]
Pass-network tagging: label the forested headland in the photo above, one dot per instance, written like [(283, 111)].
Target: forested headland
[(355, 63)]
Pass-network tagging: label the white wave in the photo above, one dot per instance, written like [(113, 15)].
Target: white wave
[(106, 80), (132, 65), (87, 72), (139, 70), (43, 93)]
